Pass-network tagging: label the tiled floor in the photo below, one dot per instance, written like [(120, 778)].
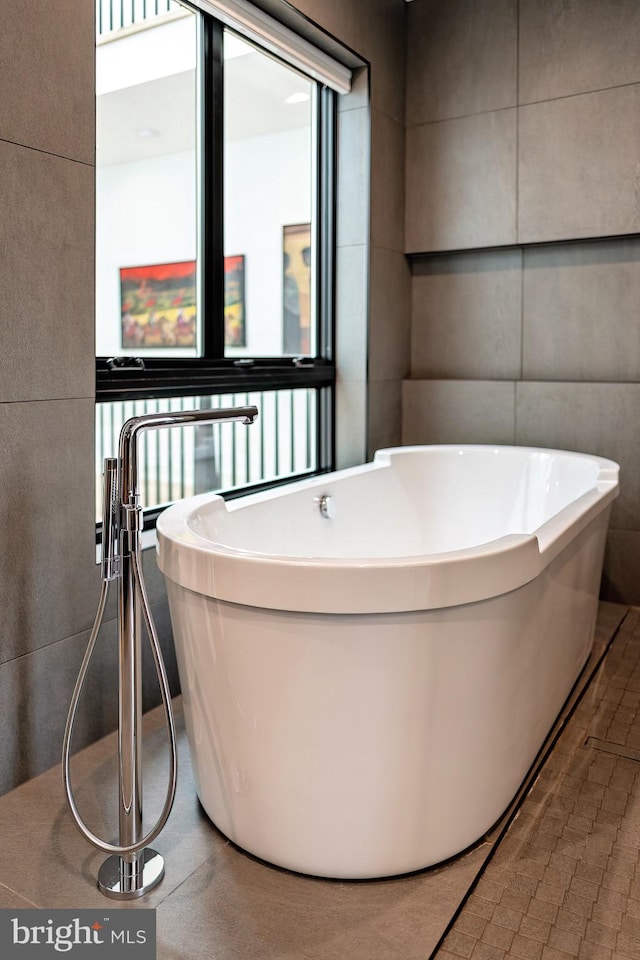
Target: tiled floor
[(565, 880), (559, 882)]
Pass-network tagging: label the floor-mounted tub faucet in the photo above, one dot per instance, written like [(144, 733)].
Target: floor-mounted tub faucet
[(133, 868)]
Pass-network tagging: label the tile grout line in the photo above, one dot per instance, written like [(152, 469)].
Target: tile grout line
[(518, 106), (22, 897), (615, 749)]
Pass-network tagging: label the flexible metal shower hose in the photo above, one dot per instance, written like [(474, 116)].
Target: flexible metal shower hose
[(112, 848)]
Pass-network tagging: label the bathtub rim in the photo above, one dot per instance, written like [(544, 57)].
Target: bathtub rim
[(375, 585)]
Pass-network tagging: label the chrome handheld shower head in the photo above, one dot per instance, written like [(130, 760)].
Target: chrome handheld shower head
[(109, 563)]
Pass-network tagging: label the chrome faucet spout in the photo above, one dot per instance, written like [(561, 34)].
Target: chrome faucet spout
[(128, 447)]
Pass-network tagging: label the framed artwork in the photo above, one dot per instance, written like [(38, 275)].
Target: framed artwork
[(296, 288), (158, 305), (235, 334)]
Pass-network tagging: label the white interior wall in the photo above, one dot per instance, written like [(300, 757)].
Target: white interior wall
[(146, 214), (267, 185)]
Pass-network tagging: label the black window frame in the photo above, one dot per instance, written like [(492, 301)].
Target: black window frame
[(139, 378)]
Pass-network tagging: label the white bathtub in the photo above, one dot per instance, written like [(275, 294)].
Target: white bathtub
[(364, 695)]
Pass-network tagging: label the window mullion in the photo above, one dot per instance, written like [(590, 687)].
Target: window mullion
[(212, 191), (326, 222), (325, 295)]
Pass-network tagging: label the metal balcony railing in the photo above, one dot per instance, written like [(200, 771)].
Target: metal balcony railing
[(180, 462), (114, 15)]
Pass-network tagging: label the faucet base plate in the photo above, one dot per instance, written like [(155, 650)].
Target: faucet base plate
[(116, 881)]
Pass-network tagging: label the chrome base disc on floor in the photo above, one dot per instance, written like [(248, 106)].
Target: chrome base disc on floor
[(117, 883)]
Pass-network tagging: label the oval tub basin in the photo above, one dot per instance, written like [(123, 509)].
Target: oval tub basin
[(365, 692)]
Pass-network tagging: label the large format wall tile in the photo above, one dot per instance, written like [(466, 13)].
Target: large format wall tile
[(581, 311), (598, 418), (621, 579), (385, 415), (352, 281), (466, 316), (578, 166), (354, 138), (568, 48), (389, 316), (46, 238), (572, 312), (457, 411), (351, 424), (47, 66), (387, 182), (49, 581), (36, 689), (383, 43), (461, 183), (461, 58)]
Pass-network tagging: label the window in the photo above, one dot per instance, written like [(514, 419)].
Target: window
[(214, 247)]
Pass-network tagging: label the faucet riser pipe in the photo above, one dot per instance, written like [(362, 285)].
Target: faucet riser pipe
[(129, 708)]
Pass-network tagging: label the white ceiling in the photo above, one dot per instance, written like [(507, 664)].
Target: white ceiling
[(256, 88), (163, 107)]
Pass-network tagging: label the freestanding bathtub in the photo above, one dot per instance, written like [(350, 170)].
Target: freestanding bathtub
[(370, 660)]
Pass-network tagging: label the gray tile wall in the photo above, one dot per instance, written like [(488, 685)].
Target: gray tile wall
[(577, 166), (466, 316), (577, 47), (372, 135), (533, 344), (460, 182), (49, 582), (461, 59), (523, 122), (389, 276), (352, 270), (580, 311)]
